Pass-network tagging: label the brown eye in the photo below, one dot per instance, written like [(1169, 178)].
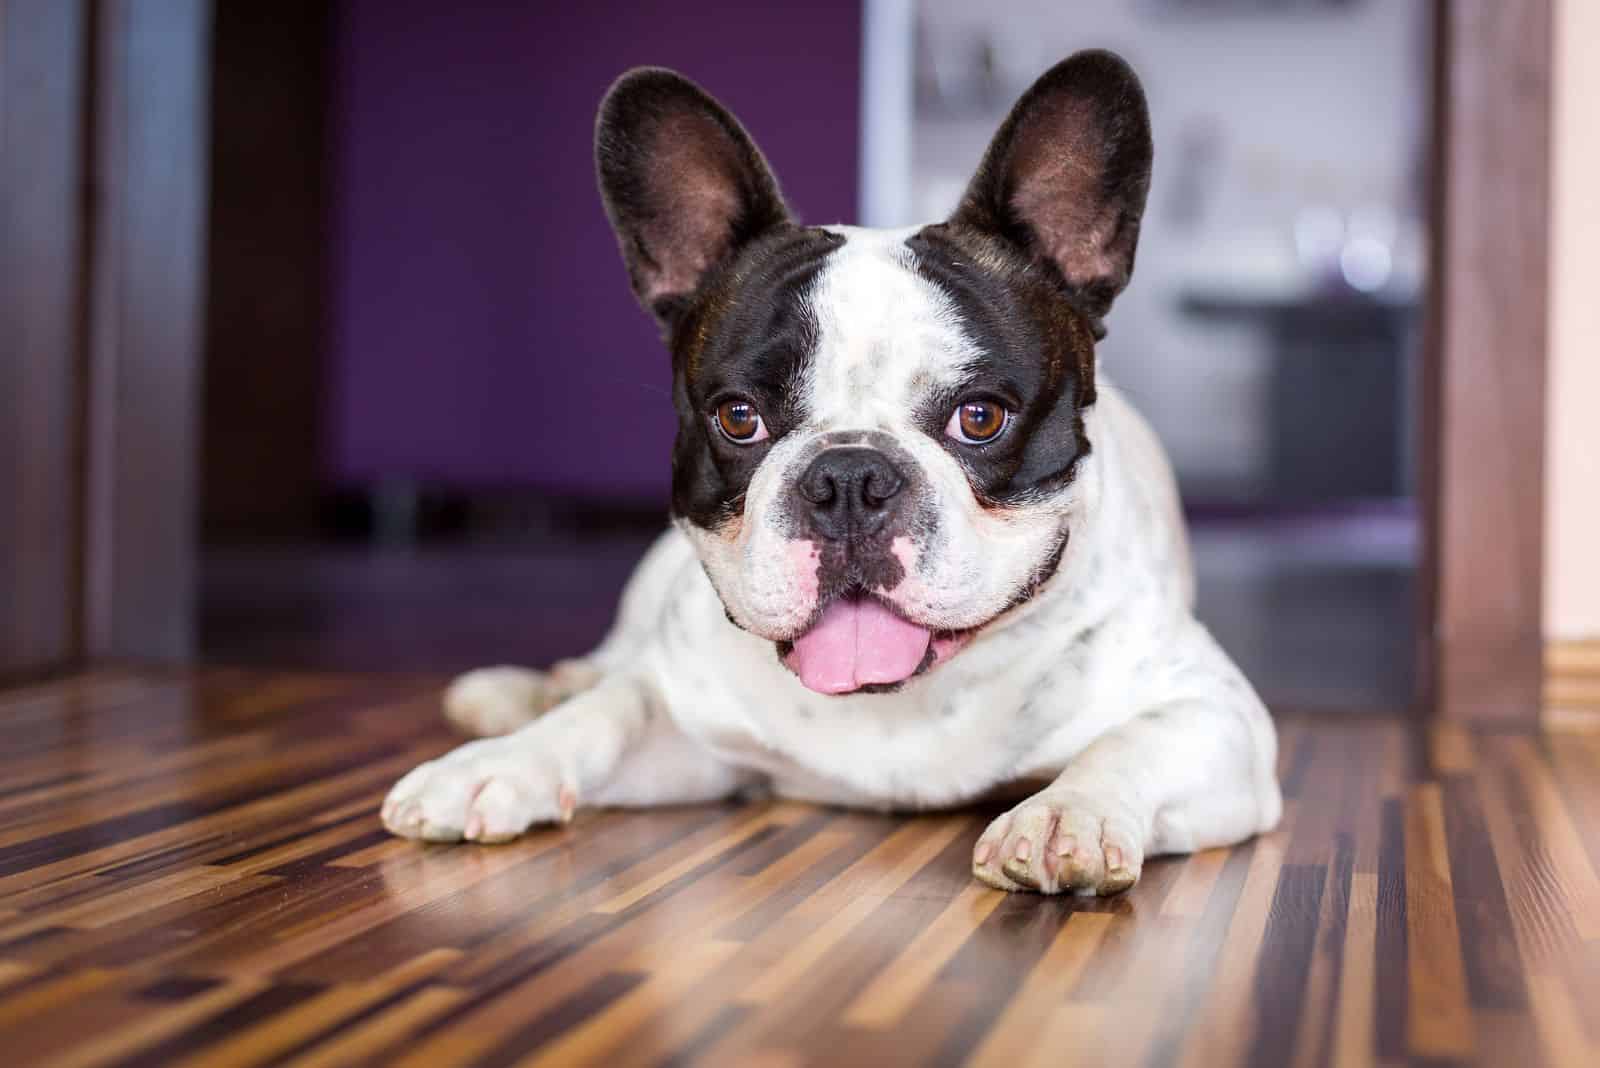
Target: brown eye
[(977, 422), (740, 422)]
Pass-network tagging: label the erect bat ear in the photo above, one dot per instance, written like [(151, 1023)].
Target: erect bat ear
[(683, 184), (1066, 175)]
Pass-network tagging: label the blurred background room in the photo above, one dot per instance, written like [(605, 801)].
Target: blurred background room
[(321, 380), (435, 426)]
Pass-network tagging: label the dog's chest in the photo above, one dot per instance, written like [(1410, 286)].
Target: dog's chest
[(1021, 700), (945, 738)]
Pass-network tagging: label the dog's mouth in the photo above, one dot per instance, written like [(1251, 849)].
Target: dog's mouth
[(858, 643)]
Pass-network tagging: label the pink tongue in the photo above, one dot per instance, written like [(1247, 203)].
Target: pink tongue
[(857, 643)]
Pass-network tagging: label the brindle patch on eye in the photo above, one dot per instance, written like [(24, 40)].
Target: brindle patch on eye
[(1033, 338), (705, 321), (747, 330)]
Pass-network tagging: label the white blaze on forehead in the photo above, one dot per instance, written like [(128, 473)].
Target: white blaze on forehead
[(885, 334)]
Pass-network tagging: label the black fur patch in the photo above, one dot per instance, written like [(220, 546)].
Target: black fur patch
[(1065, 178), (1038, 360), (746, 334), (683, 185)]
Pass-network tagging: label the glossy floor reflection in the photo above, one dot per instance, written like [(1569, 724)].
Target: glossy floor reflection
[(191, 871)]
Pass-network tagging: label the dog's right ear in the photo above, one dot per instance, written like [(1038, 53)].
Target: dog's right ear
[(683, 185)]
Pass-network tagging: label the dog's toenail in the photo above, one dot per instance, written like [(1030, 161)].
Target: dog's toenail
[(1113, 857), (1018, 872), (1024, 849), (1116, 882), (982, 854)]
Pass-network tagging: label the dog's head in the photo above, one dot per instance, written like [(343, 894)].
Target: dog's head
[(878, 431)]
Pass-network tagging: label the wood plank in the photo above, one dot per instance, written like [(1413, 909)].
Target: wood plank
[(1015, 1037), (1440, 1017), (1430, 898), (1572, 683)]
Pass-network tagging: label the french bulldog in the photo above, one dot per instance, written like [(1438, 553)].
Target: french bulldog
[(921, 549)]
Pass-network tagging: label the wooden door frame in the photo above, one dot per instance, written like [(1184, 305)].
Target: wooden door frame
[(151, 155), (44, 60), (104, 193), (1480, 634)]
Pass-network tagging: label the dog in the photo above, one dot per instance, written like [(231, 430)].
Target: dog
[(921, 550)]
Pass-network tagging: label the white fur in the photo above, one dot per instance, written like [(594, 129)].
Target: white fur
[(1103, 682)]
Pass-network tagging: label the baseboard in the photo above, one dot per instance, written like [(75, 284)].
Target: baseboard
[(1572, 682)]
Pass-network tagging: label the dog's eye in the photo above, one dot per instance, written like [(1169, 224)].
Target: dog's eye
[(740, 422), (978, 422)]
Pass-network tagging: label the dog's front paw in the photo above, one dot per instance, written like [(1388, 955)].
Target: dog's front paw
[(1058, 843), (498, 700), (488, 791)]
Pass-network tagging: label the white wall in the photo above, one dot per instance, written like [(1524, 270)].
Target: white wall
[(1572, 464), (1306, 107)]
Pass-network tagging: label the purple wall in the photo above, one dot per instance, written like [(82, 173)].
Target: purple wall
[(482, 330)]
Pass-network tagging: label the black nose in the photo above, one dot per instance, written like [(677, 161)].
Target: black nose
[(850, 492)]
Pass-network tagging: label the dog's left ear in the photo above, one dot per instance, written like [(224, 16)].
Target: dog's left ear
[(1065, 177)]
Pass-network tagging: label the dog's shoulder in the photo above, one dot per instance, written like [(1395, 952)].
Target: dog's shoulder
[(1139, 490)]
